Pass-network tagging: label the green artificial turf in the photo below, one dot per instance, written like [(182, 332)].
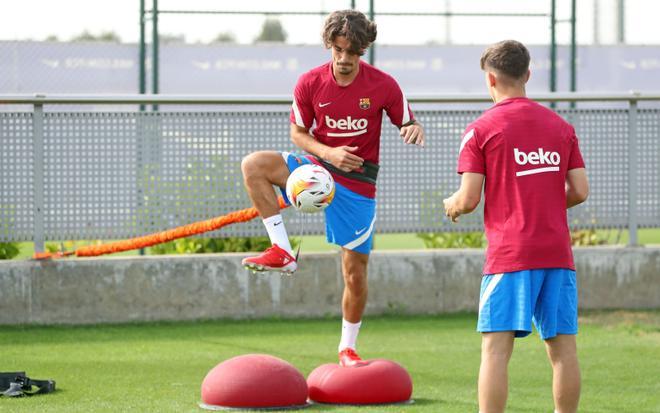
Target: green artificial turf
[(159, 367)]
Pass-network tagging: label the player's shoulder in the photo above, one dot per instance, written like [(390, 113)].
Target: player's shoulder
[(553, 119), (313, 77), (484, 124), (317, 74), (485, 127), (375, 74), (543, 110)]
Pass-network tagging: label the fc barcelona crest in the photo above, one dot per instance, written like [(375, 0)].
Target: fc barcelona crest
[(365, 103)]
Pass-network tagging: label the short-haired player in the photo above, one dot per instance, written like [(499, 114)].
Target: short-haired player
[(527, 161)]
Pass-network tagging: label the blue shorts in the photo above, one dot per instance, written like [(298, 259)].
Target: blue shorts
[(512, 301), (349, 219)]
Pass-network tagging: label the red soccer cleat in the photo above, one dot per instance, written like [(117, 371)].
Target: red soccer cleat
[(349, 358), (273, 259)]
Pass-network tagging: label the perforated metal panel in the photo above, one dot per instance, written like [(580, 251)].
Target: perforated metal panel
[(113, 175), (648, 210), (118, 175), (603, 138), (90, 175), (414, 180), (16, 177), (191, 168)]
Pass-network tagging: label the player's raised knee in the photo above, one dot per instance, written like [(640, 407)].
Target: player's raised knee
[(249, 164), (256, 165)]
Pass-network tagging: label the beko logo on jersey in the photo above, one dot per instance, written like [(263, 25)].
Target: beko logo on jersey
[(358, 126), (536, 158), (540, 157)]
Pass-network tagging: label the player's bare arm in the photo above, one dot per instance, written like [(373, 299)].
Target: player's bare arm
[(341, 157), (577, 187), (413, 133), (467, 198)]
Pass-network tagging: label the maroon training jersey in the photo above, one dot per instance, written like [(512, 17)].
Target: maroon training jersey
[(525, 151), (349, 115)]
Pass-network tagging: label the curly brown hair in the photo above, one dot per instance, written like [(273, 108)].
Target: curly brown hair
[(508, 57), (353, 25)]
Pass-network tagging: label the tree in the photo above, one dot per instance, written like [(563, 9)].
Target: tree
[(52, 38), (224, 37), (109, 37), (271, 31), (168, 38), (86, 36)]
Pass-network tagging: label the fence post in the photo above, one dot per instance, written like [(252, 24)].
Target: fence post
[(372, 48), (633, 159), (38, 195)]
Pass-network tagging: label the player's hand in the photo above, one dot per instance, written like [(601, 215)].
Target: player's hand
[(343, 158), (413, 134), (450, 208)]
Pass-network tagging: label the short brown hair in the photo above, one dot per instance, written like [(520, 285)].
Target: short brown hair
[(351, 24), (508, 57)]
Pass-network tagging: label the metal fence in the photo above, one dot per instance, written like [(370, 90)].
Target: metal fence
[(80, 174)]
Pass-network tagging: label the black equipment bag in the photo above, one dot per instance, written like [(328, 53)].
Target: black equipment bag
[(17, 384)]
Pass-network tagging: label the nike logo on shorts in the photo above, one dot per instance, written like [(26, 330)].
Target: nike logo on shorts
[(360, 231)]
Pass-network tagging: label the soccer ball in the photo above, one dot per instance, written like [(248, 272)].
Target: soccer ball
[(310, 188)]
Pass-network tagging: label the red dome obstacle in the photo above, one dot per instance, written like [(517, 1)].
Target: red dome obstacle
[(254, 381), (375, 382)]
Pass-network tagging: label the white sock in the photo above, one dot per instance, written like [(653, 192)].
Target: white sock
[(349, 333), (277, 233)]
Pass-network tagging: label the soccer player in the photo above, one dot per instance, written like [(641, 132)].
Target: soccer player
[(528, 162), (344, 100)]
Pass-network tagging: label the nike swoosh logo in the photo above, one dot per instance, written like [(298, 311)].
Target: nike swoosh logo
[(277, 223), (322, 105), (360, 231)]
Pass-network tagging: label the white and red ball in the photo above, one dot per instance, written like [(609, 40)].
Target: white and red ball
[(310, 188)]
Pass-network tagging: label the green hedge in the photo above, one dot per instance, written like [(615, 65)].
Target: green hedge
[(8, 250)]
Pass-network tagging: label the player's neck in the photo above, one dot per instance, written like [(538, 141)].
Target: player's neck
[(345, 80), (501, 95)]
